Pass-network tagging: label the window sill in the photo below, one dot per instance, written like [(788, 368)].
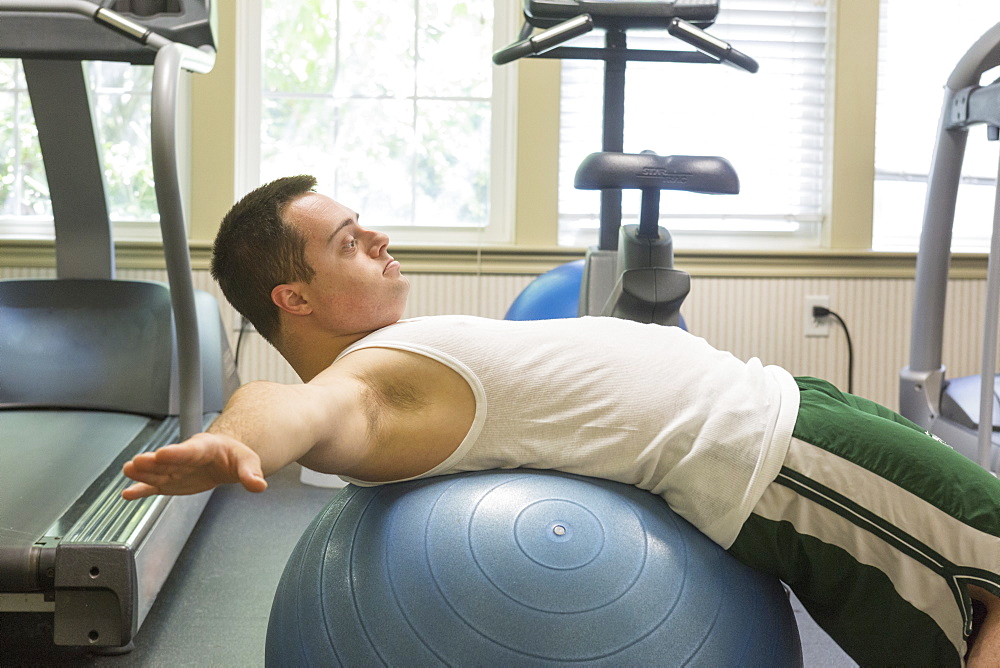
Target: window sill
[(820, 263)]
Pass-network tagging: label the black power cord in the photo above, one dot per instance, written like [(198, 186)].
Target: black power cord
[(244, 325), (823, 312)]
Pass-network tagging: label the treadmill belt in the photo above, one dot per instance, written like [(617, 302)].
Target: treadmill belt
[(49, 458)]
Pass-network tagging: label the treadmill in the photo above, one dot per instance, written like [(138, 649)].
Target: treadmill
[(94, 370), (964, 412)]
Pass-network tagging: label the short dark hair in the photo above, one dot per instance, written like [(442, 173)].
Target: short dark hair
[(255, 251)]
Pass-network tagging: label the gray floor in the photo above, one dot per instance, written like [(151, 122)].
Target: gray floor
[(818, 650), (213, 609)]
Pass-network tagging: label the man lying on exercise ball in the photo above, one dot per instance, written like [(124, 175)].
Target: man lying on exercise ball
[(884, 533)]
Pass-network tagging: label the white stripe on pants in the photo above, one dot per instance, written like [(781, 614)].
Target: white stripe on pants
[(915, 583)]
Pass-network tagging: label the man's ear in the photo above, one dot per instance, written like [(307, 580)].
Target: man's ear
[(288, 297)]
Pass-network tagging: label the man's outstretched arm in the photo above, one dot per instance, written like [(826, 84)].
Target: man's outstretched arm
[(264, 427)]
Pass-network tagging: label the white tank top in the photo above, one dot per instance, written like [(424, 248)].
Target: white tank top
[(646, 405)]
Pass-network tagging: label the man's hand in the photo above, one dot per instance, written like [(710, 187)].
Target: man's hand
[(200, 463)]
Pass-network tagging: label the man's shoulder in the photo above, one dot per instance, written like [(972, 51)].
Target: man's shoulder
[(383, 362)]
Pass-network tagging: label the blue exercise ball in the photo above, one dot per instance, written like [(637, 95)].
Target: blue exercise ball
[(554, 294), (522, 567)]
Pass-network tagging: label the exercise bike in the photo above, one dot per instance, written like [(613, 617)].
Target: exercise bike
[(630, 273)]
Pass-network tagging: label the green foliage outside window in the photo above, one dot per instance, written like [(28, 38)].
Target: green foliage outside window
[(120, 99), (387, 103), (23, 188)]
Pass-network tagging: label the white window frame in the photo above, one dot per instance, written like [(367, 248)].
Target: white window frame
[(503, 157)]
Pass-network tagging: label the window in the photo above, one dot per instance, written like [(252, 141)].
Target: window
[(917, 52), (121, 103), (394, 106), (770, 125), (24, 200)]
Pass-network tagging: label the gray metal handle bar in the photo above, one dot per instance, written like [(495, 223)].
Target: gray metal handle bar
[(545, 40), (939, 214), (196, 60), (583, 23), (169, 201), (934, 255), (711, 45)]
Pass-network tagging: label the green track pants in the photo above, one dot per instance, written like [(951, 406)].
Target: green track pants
[(877, 527)]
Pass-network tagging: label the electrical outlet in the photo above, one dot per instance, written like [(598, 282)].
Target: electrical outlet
[(817, 326)]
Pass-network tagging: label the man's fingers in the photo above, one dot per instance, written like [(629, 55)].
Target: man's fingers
[(138, 490), (146, 468), (142, 461), (254, 483), (202, 462), (250, 474), (152, 478), (188, 453)]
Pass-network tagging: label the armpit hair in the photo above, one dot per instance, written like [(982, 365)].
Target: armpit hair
[(382, 398)]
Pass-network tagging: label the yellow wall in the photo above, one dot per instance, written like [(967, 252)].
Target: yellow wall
[(213, 136), (537, 202), (852, 159)]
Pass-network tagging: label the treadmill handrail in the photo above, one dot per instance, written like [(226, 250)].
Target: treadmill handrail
[(166, 179), (983, 55), (984, 434), (934, 254)]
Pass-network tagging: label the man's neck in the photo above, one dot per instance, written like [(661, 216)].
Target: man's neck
[(311, 353)]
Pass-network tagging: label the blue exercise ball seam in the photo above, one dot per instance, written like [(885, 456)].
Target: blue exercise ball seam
[(707, 629), (395, 591), (685, 560), (356, 608), (322, 572)]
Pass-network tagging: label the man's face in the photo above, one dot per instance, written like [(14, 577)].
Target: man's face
[(357, 286)]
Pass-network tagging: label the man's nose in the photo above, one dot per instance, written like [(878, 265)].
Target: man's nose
[(378, 242)]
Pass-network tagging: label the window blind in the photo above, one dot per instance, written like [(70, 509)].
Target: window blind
[(770, 125)]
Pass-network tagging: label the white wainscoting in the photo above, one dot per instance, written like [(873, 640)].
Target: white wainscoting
[(751, 317)]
